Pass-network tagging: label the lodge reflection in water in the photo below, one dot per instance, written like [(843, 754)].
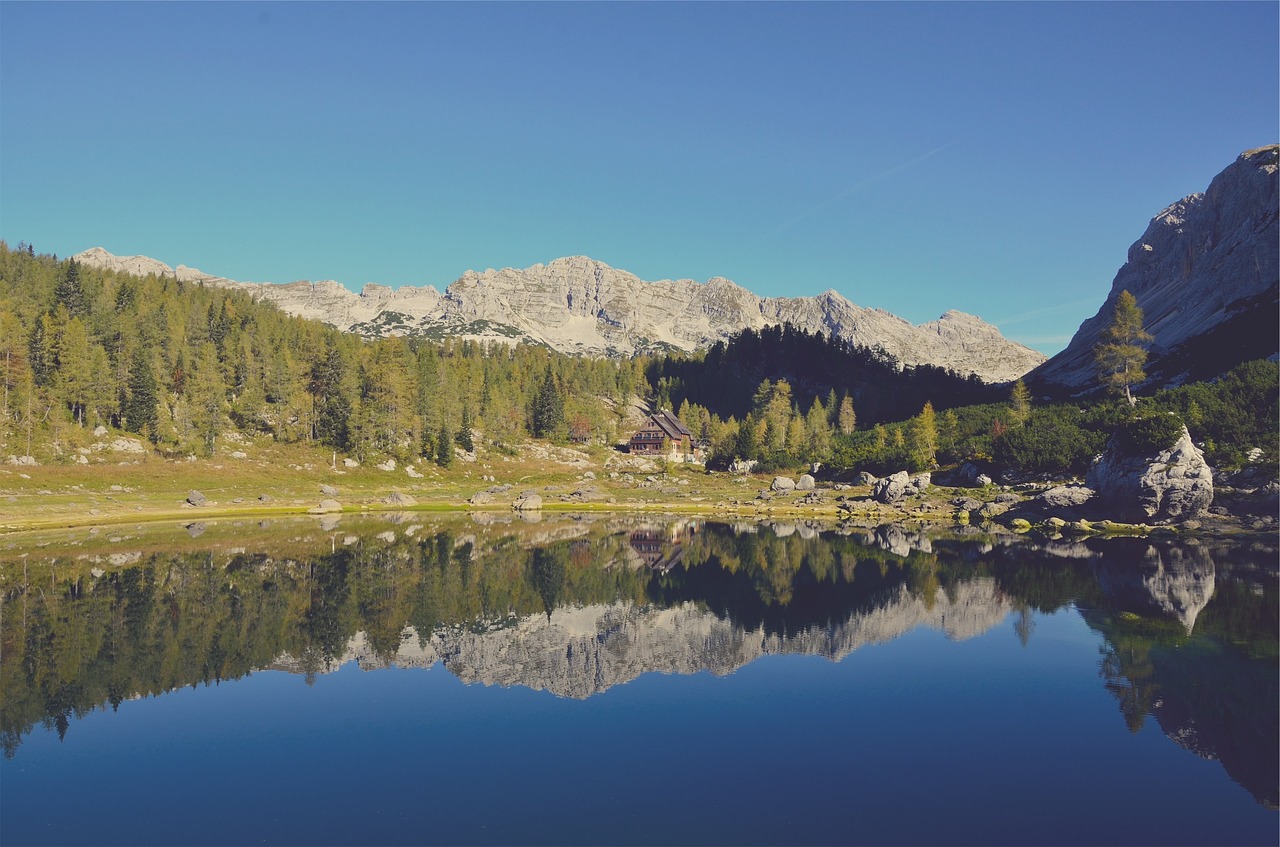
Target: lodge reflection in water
[(578, 606)]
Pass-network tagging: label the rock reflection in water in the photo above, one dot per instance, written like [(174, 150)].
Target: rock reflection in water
[(575, 607)]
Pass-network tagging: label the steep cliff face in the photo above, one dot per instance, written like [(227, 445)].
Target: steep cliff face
[(1205, 273), (579, 305)]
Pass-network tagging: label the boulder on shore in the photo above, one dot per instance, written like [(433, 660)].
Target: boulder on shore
[(806, 482), (782, 483), (326, 506), (528, 501), (1171, 485), (1063, 498), (891, 489), (397, 498), (195, 498), (970, 476)]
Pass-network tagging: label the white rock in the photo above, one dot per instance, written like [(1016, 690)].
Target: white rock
[(1172, 485), (578, 305)]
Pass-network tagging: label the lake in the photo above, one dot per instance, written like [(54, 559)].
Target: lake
[(413, 679)]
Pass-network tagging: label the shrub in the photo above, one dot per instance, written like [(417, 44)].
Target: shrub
[(1047, 444), (1147, 435)]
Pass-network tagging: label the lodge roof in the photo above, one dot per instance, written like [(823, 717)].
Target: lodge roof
[(671, 425)]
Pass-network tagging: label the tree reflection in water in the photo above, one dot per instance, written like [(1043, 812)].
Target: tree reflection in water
[(576, 606)]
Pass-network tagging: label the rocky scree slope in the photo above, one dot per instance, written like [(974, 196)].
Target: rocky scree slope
[(1205, 273), (578, 305)]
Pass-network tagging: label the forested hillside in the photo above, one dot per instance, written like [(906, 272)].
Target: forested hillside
[(181, 364)]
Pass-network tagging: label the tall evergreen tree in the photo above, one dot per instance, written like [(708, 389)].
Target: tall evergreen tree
[(208, 396), (548, 407), (139, 405), (73, 379), (444, 447), (70, 291), (41, 350), (330, 393), (465, 438), (1120, 355)]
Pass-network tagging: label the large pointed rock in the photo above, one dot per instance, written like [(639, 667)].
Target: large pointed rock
[(1167, 486)]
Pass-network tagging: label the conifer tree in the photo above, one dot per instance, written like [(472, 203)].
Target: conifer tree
[(444, 447), (923, 438), (1120, 355), (1020, 399), (332, 397), (208, 397), (139, 405), (818, 432), (923, 443), (465, 438), (847, 421), (747, 447), (548, 407), (70, 292), (74, 376), (41, 350)]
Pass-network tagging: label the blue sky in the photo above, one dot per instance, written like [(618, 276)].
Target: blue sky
[(997, 158)]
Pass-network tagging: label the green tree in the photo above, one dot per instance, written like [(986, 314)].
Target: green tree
[(331, 393), (465, 438), (444, 447), (1120, 355), (73, 380), (141, 397), (70, 292), (747, 446), (208, 396), (547, 413)]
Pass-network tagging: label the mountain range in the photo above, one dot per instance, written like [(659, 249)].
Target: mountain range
[(1206, 274), (578, 305)]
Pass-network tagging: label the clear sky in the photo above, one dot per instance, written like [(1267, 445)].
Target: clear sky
[(997, 158)]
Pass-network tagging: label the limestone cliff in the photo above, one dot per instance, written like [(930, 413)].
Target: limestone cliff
[(579, 305), (1205, 273)]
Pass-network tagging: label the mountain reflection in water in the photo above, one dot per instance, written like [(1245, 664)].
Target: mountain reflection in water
[(577, 606)]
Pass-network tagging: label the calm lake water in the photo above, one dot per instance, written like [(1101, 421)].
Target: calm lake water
[(618, 680)]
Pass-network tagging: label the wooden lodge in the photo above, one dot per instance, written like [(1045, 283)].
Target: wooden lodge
[(663, 433)]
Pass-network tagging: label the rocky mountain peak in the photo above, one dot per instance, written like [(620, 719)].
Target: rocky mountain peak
[(576, 304), (1205, 273)]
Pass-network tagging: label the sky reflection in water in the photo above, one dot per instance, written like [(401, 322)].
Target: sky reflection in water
[(713, 684)]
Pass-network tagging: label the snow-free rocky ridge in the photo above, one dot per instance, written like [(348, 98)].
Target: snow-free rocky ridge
[(581, 306), (1205, 274)]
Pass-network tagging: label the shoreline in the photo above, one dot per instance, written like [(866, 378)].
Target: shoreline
[(291, 481)]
